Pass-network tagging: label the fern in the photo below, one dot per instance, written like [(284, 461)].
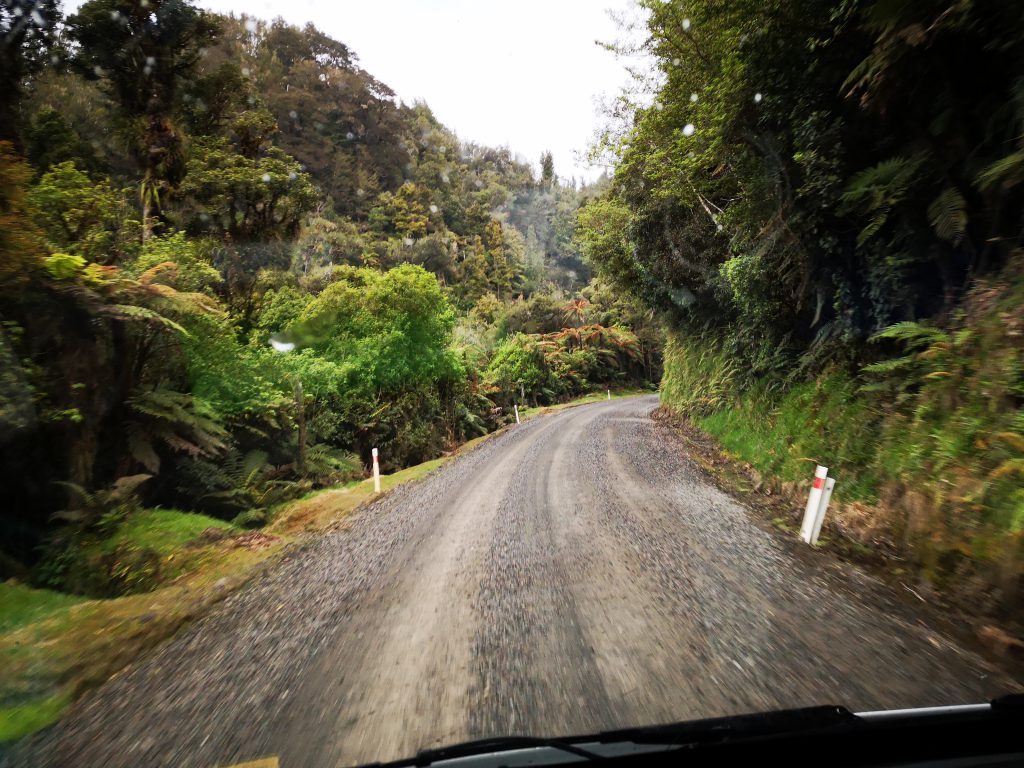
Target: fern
[(1006, 171), (948, 215), (915, 335), (134, 312), (875, 191), (175, 420)]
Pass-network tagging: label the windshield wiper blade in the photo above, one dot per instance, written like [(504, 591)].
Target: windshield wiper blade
[(503, 744)]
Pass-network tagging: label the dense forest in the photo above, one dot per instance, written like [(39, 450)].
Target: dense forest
[(232, 261), (825, 202)]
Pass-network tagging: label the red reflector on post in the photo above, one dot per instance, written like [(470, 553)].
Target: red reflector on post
[(819, 482)]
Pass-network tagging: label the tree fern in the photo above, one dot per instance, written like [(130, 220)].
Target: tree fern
[(175, 420), (137, 313)]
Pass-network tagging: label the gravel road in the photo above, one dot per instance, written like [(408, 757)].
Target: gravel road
[(576, 573)]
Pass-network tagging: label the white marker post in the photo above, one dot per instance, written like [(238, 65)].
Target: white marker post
[(516, 406), (376, 472), (826, 495), (813, 501), (609, 394)]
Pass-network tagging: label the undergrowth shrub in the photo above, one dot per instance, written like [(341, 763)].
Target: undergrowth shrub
[(930, 436)]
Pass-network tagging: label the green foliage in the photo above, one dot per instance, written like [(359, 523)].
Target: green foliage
[(816, 197), (21, 242), (245, 197), (142, 51), (133, 552), (50, 140), (516, 362), (29, 31), (165, 418), (83, 217), (387, 331), (283, 294), (933, 435), (175, 261), (63, 266)]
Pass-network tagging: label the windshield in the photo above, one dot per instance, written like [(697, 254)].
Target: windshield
[(376, 377)]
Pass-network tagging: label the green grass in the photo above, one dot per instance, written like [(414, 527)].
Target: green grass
[(24, 719), (21, 605), (164, 531), (822, 422)]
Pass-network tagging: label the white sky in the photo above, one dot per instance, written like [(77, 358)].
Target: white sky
[(519, 73)]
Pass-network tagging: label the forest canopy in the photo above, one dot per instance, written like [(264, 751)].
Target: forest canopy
[(232, 262)]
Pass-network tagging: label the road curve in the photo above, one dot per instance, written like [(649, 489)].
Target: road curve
[(576, 573)]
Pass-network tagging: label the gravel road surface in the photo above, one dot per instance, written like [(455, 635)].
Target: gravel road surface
[(576, 573)]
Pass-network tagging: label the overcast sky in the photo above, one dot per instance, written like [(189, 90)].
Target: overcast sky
[(519, 73)]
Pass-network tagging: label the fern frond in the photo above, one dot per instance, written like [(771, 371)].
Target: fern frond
[(948, 215), (1006, 171), (134, 312)]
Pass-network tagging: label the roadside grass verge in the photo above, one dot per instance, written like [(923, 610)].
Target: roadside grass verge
[(54, 646)]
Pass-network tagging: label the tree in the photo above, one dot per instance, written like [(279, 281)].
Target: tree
[(142, 51), (50, 139), (403, 213), (255, 197), (28, 35), (21, 242), (547, 170), (83, 217)]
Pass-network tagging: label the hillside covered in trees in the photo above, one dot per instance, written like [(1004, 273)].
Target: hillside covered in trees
[(232, 261), (824, 200)]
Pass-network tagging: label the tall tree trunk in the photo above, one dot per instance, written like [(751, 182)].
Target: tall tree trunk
[(146, 192)]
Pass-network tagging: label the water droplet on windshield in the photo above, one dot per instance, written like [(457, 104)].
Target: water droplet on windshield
[(245, 71), (693, 97), (433, 209), (688, 129), (686, 25), (444, 178), (98, 70), (350, 135), (266, 178), (408, 241), (675, 62), (757, 98), (293, 115), (292, 176), (359, 193)]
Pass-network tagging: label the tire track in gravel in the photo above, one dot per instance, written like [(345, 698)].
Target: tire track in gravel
[(536, 674), (573, 574)]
